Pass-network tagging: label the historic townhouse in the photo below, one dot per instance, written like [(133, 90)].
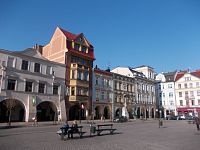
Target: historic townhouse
[(102, 94), (32, 85), (123, 96), (144, 102), (187, 88), (77, 53), (165, 92)]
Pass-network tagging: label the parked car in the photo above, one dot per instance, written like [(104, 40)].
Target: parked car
[(181, 117)]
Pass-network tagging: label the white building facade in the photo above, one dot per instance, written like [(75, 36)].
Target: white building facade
[(35, 84), (166, 97), (144, 100), (187, 88)]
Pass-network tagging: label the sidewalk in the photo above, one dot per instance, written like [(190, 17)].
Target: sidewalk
[(51, 123)]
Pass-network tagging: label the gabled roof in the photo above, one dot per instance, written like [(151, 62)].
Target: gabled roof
[(181, 74), (32, 52), (72, 36), (170, 76), (196, 73)]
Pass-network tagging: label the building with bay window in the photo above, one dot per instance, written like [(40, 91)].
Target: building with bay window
[(77, 53)]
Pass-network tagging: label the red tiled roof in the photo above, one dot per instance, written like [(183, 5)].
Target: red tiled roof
[(72, 36), (196, 73), (179, 75), (69, 35)]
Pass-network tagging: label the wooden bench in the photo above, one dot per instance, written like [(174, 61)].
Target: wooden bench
[(105, 127), (78, 131)]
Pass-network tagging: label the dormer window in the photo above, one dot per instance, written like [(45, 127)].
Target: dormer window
[(84, 49), (24, 65), (37, 67), (76, 46)]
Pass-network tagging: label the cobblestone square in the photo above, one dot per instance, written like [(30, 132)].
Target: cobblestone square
[(134, 135)]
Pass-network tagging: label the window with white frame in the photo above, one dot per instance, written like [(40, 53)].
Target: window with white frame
[(169, 86), (11, 84), (24, 65), (28, 86), (37, 67), (41, 88)]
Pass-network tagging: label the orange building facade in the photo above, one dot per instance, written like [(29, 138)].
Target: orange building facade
[(77, 53)]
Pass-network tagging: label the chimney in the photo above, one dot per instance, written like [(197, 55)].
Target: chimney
[(38, 47)]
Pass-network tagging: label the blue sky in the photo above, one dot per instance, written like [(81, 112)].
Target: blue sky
[(163, 34)]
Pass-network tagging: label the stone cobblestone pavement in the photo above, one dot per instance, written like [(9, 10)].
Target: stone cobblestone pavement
[(134, 135)]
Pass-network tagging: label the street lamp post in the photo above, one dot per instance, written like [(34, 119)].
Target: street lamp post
[(80, 112), (160, 121)]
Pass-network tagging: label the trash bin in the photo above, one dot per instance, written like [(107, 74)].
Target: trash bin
[(92, 129)]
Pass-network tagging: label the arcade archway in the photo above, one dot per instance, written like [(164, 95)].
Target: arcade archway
[(17, 112), (106, 113), (97, 113), (47, 111)]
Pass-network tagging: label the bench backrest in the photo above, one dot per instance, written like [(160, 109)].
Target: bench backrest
[(104, 125)]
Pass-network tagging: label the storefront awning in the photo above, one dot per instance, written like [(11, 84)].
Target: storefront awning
[(188, 109)]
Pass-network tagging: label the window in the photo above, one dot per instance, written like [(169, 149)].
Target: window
[(41, 88), (198, 101), (11, 62), (191, 85), (192, 93), (24, 65), (187, 78), (55, 89), (193, 102), (11, 84), (185, 85), (170, 94), (160, 94), (79, 75), (198, 92), (78, 91), (73, 74), (179, 86), (73, 91), (197, 84), (163, 94), (169, 86), (76, 46), (180, 94), (85, 76), (159, 87), (186, 94), (37, 67), (85, 92), (49, 70), (171, 102), (181, 102), (187, 103), (84, 49), (103, 96), (97, 80), (28, 86), (97, 94)]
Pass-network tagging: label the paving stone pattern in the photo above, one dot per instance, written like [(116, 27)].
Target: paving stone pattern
[(134, 135)]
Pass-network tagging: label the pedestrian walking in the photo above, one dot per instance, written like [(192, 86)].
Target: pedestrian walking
[(197, 122), (35, 123)]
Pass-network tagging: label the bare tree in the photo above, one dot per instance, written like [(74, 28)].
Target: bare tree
[(10, 105)]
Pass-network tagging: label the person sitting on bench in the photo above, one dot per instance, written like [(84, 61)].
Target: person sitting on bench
[(65, 128), (74, 129)]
